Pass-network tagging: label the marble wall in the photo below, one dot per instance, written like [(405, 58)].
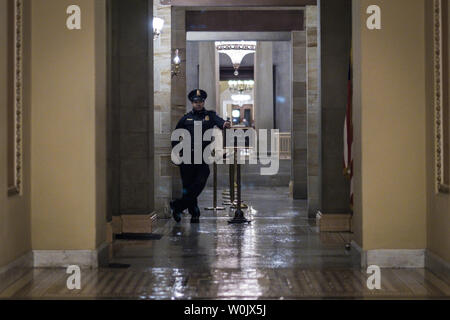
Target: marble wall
[(314, 138), (264, 86), (306, 130), (162, 112), (209, 74), (192, 69), (282, 59), (299, 123), (178, 83)]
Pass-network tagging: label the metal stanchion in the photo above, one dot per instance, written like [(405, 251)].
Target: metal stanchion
[(234, 203), (238, 214), (226, 195), (215, 207), (232, 190), (229, 200)]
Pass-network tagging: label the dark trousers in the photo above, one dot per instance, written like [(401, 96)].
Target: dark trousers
[(194, 178)]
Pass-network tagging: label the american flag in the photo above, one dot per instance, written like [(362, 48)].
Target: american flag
[(348, 133)]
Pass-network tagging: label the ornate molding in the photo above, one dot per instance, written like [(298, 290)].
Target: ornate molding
[(16, 187), (438, 98)]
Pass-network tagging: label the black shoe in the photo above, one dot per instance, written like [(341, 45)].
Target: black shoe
[(175, 214), (195, 215)]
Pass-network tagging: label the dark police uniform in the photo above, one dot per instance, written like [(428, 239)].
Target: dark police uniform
[(194, 176)]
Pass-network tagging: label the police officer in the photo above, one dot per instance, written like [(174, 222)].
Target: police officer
[(195, 176)]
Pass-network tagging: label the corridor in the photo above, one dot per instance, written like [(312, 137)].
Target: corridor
[(280, 255)]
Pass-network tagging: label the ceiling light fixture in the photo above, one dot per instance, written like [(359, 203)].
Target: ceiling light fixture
[(241, 97), (236, 50)]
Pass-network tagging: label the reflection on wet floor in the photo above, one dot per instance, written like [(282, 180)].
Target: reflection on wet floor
[(280, 236), (280, 255)]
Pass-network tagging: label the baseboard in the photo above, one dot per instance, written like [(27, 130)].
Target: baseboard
[(437, 265), (391, 258), (134, 223), (401, 258), (63, 258), (334, 222)]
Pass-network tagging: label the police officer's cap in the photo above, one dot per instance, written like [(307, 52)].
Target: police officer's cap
[(197, 95)]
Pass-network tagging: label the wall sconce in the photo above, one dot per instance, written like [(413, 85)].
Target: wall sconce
[(158, 25), (176, 63)]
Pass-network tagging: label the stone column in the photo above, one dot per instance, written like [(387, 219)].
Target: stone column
[(282, 59), (162, 112), (192, 66), (178, 83), (299, 124), (335, 58), (132, 154), (208, 76), (313, 109), (264, 86)]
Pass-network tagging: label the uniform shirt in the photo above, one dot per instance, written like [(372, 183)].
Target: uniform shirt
[(209, 120)]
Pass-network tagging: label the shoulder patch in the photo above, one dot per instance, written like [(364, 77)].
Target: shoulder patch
[(185, 118)]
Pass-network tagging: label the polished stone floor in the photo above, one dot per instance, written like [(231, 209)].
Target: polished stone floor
[(280, 255), (280, 236)]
